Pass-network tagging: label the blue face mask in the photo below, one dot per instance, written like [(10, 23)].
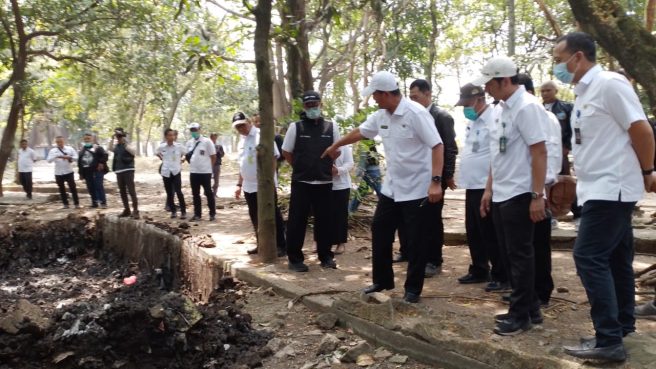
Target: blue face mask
[(313, 113), (561, 73), (470, 113), (88, 145), (195, 135)]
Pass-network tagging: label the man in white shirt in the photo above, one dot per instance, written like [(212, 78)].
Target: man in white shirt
[(474, 170), (172, 155), (515, 186), (201, 154), (26, 160), (412, 186), (247, 149), (340, 198), (312, 182), (613, 149), (63, 156)]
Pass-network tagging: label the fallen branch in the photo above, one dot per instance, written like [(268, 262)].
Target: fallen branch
[(644, 271)]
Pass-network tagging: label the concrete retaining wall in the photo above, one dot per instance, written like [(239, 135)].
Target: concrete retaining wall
[(153, 247)]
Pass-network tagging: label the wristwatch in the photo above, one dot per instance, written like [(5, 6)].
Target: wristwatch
[(535, 195), (437, 179), (647, 172)]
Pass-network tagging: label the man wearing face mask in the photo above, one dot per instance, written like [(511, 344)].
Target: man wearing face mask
[(201, 155), (474, 170), (613, 149), (563, 111), (312, 180), (514, 192), (92, 164), (123, 166)]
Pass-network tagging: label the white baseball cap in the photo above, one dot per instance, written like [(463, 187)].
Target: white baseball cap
[(194, 126), (381, 81), (497, 67)]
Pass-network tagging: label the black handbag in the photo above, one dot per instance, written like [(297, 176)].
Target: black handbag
[(191, 153)]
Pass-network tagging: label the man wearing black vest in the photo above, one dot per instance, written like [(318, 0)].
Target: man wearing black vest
[(312, 179), (123, 166)]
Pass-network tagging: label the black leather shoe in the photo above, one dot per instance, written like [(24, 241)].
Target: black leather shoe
[(410, 297), (505, 298), (252, 251), (298, 267), (329, 264), (471, 279), (512, 326), (615, 353), (496, 286), (376, 288), (400, 259), (536, 317)]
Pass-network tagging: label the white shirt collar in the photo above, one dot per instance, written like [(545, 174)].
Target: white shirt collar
[(487, 114), (402, 107), (515, 97), (587, 78)]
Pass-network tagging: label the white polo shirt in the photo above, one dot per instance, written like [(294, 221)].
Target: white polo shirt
[(62, 166), (523, 121), (26, 160), (201, 161), (344, 164), (475, 156), (408, 137), (247, 149), (607, 167), (554, 145), (171, 158), (289, 143)]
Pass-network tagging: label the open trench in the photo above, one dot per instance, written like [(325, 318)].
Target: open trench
[(110, 293)]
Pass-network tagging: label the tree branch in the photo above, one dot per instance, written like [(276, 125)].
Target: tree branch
[(41, 33), (5, 85), (7, 28), (240, 61), (230, 11), (54, 57), (85, 10)]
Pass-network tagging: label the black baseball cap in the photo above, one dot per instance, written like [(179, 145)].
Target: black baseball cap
[(239, 118), (469, 91), (311, 96)]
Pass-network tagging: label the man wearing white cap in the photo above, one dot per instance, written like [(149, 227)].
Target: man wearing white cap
[(514, 193), (201, 155), (412, 186)]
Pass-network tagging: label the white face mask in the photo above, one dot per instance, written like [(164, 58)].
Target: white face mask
[(313, 113)]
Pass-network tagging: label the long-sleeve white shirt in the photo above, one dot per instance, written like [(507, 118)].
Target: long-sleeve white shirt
[(62, 166), (26, 159)]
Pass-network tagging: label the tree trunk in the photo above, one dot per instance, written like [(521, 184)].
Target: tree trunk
[(622, 37), (293, 53), (650, 12), (18, 87), (510, 4), (307, 81), (281, 106), (176, 97), (432, 48), (265, 185)]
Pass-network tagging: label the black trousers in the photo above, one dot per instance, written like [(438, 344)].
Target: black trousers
[(69, 179), (251, 201), (482, 240), (125, 181), (25, 179), (435, 236), (173, 187), (544, 284), (304, 197), (198, 180), (515, 232), (340, 199), (414, 219)]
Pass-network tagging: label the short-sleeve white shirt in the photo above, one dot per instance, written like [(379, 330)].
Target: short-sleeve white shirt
[(201, 161), (408, 135), (247, 149), (26, 160), (606, 165), (171, 158), (554, 145), (62, 166), (475, 156), (523, 122)]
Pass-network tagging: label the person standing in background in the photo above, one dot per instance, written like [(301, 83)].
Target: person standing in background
[(92, 165), (216, 168), (563, 111), (63, 156), (123, 166), (340, 198), (369, 171), (26, 160), (201, 155), (172, 155)]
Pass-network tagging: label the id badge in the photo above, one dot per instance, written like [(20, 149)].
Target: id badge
[(476, 146), (577, 135), (502, 144)]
